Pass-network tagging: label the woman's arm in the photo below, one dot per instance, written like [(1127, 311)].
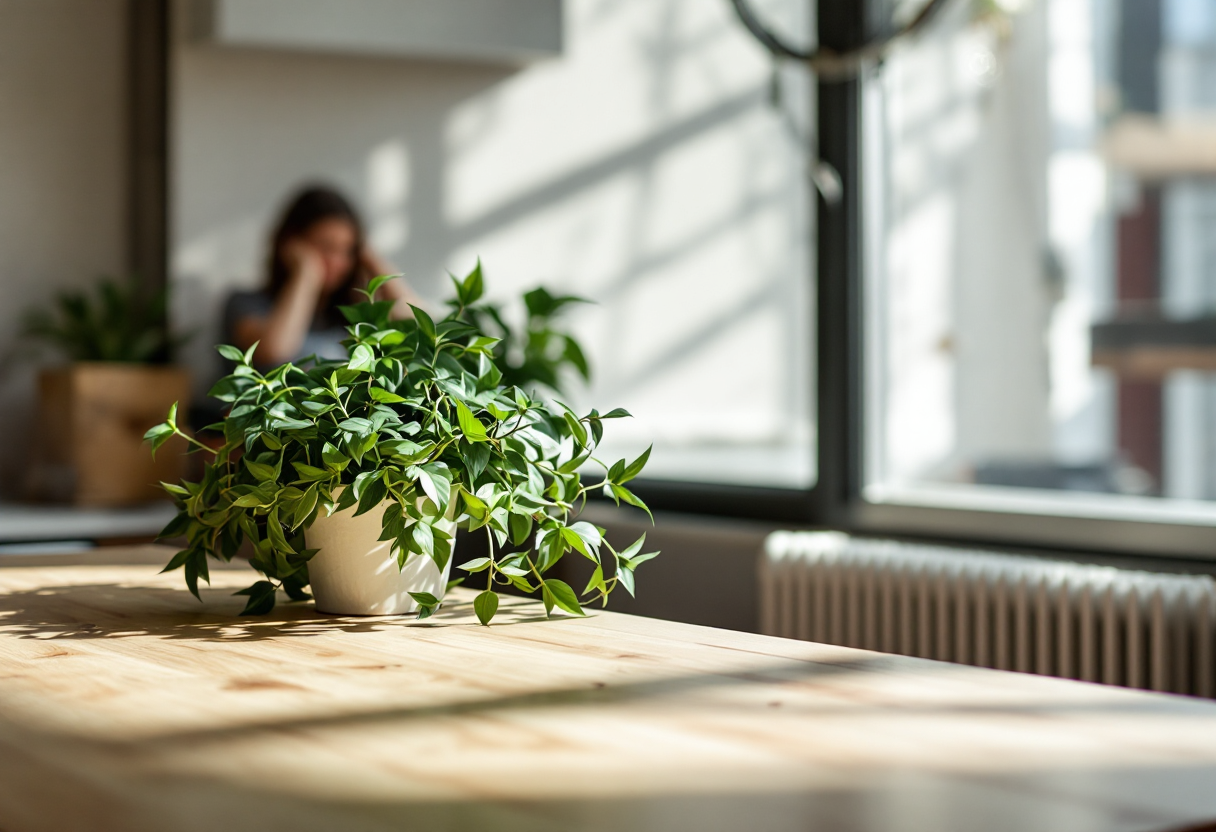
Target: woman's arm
[(281, 334)]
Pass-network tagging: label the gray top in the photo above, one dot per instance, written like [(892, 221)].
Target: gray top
[(324, 336)]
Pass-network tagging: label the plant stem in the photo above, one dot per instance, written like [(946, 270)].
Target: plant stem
[(493, 565)]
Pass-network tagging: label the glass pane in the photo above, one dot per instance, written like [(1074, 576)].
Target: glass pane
[(1042, 259)]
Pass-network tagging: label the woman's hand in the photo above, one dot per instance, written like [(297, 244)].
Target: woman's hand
[(303, 261), (281, 334)]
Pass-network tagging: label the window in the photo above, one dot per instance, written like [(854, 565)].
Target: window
[(1040, 271)]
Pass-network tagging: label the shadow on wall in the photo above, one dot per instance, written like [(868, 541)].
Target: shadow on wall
[(644, 169)]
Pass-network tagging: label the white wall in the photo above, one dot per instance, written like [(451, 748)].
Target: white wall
[(62, 175), (643, 169)]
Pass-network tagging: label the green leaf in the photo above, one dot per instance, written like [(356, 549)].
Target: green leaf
[(425, 599), (483, 344), (563, 596), (596, 582), (384, 396), (254, 499), (424, 538), (633, 548), (470, 426), (289, 424), (274, 531), (485, 605), (633, 563), (625, 578), (158, 436), (617, 413), (576, 427), (520, 526), (373, 494), (634, 468), (231, 353), (362, 359), (472, 287), (589, 534), (476, 458), (261, 598), (376, 282), (177, 526), (574, 354), (376, 313), (356, 425), (333, 458), (475, 565), (362, 480), (304, 507), (402, 448), (425, 325), (308, 472), (196, 567), (260, 470), (436, 482), (616, 471), (575, 540), (619, 492), (347, 500), (177, 560)]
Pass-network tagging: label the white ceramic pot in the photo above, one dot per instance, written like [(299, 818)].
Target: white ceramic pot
[(354, 573)]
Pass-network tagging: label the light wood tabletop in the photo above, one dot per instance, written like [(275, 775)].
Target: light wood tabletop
[(125, 704)]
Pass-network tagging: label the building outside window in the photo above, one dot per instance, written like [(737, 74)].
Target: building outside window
[(1040, 258)]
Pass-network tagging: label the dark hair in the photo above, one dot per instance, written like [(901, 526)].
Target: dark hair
[(307, 208)]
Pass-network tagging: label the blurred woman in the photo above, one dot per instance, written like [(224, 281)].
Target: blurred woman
[(318, 257)]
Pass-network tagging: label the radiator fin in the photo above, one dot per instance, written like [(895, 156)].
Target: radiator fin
[(1076, 621)]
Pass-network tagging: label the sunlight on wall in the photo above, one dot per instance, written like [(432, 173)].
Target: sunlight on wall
[(646, 172), (388, 190), (645, 169)]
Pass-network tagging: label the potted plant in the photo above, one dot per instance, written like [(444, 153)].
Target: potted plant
[(352, 475), (94, 411), (538, 352)]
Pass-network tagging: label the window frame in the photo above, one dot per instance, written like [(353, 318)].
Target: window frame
[(837, 500)]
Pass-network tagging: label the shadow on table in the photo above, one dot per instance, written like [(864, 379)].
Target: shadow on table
[(91, 611)]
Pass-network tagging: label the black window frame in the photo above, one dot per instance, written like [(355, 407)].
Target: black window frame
[(836, 500)]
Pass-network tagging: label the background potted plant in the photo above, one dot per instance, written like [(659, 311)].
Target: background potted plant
[(94, 412), (418, 430)]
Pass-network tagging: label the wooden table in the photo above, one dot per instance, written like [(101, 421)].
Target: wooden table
[(127, 705)]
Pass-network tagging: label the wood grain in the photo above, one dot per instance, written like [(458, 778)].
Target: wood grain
[(127, 705)]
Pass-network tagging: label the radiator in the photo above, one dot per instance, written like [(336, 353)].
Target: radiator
[(1076, 621)]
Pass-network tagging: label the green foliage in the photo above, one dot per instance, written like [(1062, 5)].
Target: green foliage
[(117, 324), (420, 416), (538, 353)]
